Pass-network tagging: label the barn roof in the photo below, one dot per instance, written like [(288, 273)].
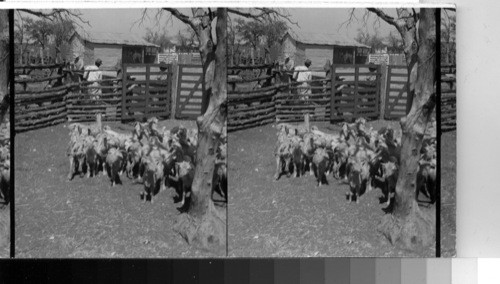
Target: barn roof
[(307, 37), (114, 38)]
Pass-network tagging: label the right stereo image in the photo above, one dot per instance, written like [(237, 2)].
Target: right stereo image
[(335, 121)]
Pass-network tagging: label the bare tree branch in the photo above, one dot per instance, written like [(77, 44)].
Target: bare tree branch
[(348, 22), (261, 14), (59, 15), (181, 17), (140, 21), (388, 19)]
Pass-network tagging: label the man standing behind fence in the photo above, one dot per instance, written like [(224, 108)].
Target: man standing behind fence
[(303, 75), (78, 64), (163, 76), (93, 74), (289, 64)]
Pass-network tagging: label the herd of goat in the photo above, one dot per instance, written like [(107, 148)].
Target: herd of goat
[(149, 155), (363, 157)]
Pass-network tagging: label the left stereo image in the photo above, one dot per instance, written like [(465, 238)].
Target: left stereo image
[(120, 137)]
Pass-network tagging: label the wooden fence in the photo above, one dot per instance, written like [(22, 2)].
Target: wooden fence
[(448, 98), (397, 89), (48, 95), (37, 102), (81, 105), (147, 92), (264, 94), (358, 94), (250, 104), (272, 96), (396, 92), (189, 92), (295, 99)]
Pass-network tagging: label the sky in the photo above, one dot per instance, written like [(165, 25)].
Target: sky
[(128, 21), (329, 20), (319, 20)]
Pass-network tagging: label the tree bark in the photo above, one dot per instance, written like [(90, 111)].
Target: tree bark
[(408, 224), (4, 64), (205, 225)]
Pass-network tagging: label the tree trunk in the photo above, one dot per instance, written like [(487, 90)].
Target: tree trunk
[(408, 224), (205, 225), (4, 64)]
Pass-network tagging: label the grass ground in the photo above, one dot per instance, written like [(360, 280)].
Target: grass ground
[(448, 193), (293, 217), (86, 217)]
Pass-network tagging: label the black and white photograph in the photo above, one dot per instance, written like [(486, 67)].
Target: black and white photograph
[(120, 133), (332, 132)]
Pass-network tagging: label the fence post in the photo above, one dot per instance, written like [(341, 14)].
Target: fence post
[(356, 93), (148, 93), (175, 75), (332, 89), (383, 88), (124, 91)]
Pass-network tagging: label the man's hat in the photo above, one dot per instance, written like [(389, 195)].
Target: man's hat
[(372, 67), (98, 61), (307, 62), (163, 65)]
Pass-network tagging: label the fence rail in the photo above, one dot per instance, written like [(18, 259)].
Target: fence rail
[(359, 91), (189, 91), (448, 98), (146, 92), (38, 103)]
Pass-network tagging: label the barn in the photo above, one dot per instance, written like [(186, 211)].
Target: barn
[(112, 48), (319, 47)]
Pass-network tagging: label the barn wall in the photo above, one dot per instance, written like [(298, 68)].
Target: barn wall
[(108, 53), (288, 48), (319, 54), (88, 58), (76, 46), (300, 54)]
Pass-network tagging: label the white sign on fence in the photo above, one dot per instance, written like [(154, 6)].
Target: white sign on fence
[(168, 57), (379, 58)]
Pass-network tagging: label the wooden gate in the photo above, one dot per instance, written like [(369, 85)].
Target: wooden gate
[(397, 91), (355, 92), (189, 91), (146, 92)]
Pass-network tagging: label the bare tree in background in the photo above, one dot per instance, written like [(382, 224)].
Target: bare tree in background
[(159, 38), (56, 23), (375, 41), (395, 43), (62, 31), (448, 30), (20, 37)]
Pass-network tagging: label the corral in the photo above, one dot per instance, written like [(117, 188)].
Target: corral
[(87, 217), (292, 216)]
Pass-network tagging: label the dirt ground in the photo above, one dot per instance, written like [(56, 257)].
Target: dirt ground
[(293, 217), (448, 193), (87, 217), (4, 231)]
